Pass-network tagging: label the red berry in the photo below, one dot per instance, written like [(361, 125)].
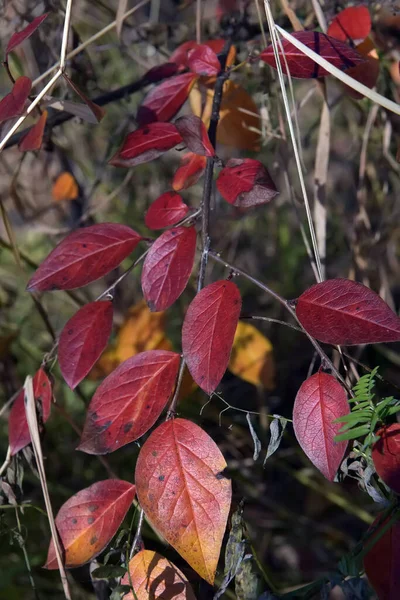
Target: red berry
[(386, 456)]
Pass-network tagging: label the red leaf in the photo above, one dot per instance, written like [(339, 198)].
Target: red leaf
[(88, 521), (180, 55), (17, 38), (83, 339), (13, 104), (203, 61), (353, 23), (246, 182), (165, 100), (167, 210), (160, 72), (340, 311), (34, 137), (129, 401), (146, 144), (208, 331), (195, 136), (386, 456), (18, 429), (168, 266), (382, 562), (191, 169), (183, 492), (319, 401), (84, 256), (336, 52)]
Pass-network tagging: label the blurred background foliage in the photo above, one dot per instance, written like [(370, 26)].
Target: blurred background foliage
[(300, 524)]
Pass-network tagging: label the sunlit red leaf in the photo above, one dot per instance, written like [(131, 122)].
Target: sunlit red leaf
[(165, 100), (246, 182), (208, 332), (34, 137), (181, 54), (13, 104), (83, 339), (168, 266), (17, 38), (352, 23), (382, 562), (194, 135), (65, 187), (160, 72), (168, 209), (88, 521), (340, 311), (153, 576), (336, 52), (146, 143), (84, 256), (191, 169), (182, 489), (129, 401), (18, 430), (218, 45), (319, 401), (386, 456), (203, 61)]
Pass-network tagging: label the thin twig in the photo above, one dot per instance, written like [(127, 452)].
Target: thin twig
[(6, 462), (137, 534)]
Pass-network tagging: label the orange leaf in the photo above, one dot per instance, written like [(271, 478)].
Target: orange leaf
[(153, 576), (65, 187), (89, 519), (34, 137), (182, 489), (191, 169), (251, 357), (367, 72)]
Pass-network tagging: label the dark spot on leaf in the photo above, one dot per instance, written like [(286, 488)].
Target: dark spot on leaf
[(70, 331), (147, 406), (54, 287), (44, 384), (128, 427), (90, 520), (93, 540), (146, 130), (154, 453), (84, 245), (93, 507), (105, 426), (236, 302), (74, 521), (161, 478)]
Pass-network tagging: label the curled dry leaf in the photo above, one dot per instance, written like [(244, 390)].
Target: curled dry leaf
[(84, 256), (129, 401), (191, 169), (203, 60), (319, 401), (12, 105), (352, 23), (168, 266), (153, 576), (382, 562), (17, 38), (88, 521), (182, 489), (146, 143), (65, 187), (18, 430), (165, 100), (386, 456), (32, 140), (83, 339), (208, 332), (194, 135), (251, 357), (301, 66), (168, 209), (344, 312), (246, 182)]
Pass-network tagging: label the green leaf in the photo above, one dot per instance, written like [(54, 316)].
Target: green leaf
[(353, 433), (108, 572)]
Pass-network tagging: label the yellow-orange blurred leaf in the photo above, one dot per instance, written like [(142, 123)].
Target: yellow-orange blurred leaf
[(153, 576), (252, 357), (239, 123), (65, 187)]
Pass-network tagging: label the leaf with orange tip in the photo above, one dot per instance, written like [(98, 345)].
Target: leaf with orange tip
[(194, 135), (65, 187), (191, 169), (12, 105), (184, 493), (17, 38), (352, 23), (367, 72), (32, 140), (88, 521), (18, 430), (153, 576), (165, 100), (203, 61)]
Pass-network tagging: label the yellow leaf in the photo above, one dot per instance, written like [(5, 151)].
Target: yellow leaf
[(252, 358), (239, 123), (65, 187)]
